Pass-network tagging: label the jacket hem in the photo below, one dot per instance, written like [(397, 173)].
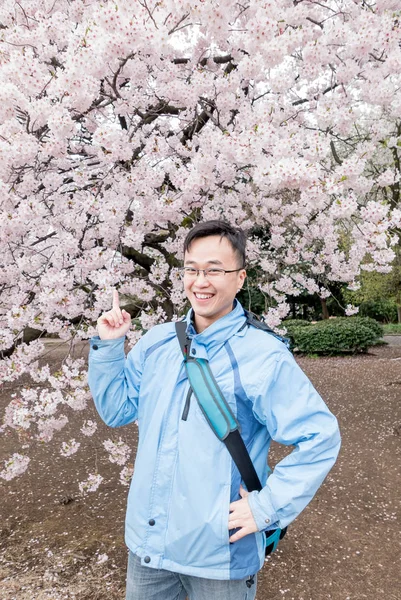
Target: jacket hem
[(159, 562)]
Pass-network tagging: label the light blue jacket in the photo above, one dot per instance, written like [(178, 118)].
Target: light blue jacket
[(184, 478)]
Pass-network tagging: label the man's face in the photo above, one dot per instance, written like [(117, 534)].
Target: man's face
[(212, 298)]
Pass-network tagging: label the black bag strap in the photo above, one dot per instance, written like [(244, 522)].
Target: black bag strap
[(234, 442), (185, 342), (252, 319)]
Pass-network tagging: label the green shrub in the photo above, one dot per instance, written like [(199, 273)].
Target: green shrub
[(334, 336), (291, 323), (376, 327), (384, 311)]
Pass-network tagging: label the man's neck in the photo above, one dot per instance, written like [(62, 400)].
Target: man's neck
[(201, 323)]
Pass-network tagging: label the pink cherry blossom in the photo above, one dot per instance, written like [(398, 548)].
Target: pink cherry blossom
[(119, 129), (69, 448), (351, 310), (126, 475), (88, 428), (118, 451), (14, 466), (91, 484)]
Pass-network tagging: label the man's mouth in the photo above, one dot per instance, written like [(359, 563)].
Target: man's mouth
[(199, 296)]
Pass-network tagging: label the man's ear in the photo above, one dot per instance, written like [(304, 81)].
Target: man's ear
[(242, 278)]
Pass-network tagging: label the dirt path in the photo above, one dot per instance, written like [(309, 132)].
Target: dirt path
[(345, 546), (393, 340)]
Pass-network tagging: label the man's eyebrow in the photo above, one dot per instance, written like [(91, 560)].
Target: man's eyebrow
[(208, 262)]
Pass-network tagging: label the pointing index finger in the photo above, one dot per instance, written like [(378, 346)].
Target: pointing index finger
[(116, 302)]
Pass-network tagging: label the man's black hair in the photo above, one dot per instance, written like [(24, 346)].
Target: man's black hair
[(234, 235)]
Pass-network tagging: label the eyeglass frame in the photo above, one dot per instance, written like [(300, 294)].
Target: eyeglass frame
[(183, 270)]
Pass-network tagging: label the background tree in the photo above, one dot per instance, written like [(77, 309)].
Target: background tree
[(123, 123), (378, 296)]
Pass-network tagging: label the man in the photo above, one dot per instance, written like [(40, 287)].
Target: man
[(191, 527)]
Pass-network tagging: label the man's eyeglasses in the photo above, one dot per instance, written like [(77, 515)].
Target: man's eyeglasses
[(210, 273)]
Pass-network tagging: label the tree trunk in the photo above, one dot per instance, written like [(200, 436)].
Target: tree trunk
[(325, 310)]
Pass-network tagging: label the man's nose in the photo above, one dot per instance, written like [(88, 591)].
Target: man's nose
[(201, 278)]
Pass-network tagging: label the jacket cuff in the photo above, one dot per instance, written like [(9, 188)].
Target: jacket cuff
[(106, 350), (263, 512)]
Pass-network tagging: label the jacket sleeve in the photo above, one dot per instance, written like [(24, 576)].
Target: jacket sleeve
[(294, 414), (114, 380)]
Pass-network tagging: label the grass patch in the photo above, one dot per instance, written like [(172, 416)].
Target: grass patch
[(392, 328)]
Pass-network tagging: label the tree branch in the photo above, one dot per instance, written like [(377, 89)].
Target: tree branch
[(137, 257), (303, 100), (195, 127), (219, 60), (335, 155)]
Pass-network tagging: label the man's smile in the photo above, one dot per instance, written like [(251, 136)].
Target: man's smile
[(200, 296)]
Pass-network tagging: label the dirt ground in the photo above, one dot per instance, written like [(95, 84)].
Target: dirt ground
[(345, 545)]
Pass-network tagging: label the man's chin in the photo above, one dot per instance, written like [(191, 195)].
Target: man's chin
[(202, 307), (202, 311), (209, 313)]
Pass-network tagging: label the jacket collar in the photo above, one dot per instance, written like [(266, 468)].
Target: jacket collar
[(220, 331)]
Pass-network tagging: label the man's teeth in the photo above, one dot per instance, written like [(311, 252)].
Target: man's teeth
[(203, 296)]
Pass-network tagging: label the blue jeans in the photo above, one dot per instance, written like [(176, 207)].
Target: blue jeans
[(144, 583)]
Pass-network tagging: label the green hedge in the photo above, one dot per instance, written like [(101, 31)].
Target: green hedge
[(334, 336), (291, 323), (381, 310), (372, 324)]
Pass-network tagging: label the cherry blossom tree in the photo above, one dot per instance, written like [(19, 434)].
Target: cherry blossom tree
[(124, 122)]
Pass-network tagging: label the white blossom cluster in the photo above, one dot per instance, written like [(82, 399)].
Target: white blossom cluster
[(119, 129), (119, 451)]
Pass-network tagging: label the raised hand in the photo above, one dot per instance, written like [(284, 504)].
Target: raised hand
[(115, 323)]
